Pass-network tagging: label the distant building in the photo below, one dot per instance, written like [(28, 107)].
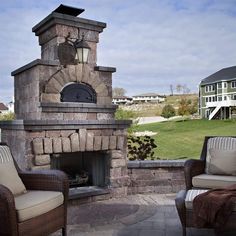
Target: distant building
[(3, 108), (122, 100), (10, 106), (217, 95), (148, 97)]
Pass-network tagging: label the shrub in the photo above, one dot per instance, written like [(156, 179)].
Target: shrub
[(168, 111), (7, 116), (141, 148), (124, 114), (127, 115)]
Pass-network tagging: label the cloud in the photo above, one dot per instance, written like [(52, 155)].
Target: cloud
[(152, 43)]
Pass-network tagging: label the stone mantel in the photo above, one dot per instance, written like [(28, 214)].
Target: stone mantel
[(55, 63), (39, 125), (77, 107)]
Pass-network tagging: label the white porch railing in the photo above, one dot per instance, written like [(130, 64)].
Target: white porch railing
[(218, 105)]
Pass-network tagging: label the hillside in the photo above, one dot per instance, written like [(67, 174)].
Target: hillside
[(184, 139), (155, 109)]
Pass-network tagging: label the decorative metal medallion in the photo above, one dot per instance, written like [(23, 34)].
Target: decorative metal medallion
[(66, 53)]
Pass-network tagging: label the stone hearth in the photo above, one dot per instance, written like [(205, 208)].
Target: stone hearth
[(53, 120)]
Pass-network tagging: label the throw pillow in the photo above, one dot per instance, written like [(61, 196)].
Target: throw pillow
[(222, 162), (8, 173)]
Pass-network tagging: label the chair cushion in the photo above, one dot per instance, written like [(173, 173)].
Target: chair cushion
[(191, 194), (220, 144), (35, 203), (8, 173), (222, 162), (213, 181)]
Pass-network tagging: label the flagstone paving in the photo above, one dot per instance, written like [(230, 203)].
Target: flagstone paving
[(134, 215)]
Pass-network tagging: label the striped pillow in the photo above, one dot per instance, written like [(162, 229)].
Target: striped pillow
[(221, 144), (8, 173)]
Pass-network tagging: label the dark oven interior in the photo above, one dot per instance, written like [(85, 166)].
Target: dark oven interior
[(83, 168)]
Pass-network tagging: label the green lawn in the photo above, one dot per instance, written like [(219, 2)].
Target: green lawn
[(180, 139)]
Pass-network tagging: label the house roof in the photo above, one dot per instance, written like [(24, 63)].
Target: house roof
[(228, 73), (3, 107), (148, 95), (121, 97)]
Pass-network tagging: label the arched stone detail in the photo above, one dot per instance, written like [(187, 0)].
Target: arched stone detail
[(74, 73)]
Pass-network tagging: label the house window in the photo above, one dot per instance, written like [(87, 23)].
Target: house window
[(219, 85), (209, 99), (219, 98), (233, 96), (233, 84), (209, 88), (225, 85), (206, 99), (225, 98)]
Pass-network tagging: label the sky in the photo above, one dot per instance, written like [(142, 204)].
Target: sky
[(152, 43)]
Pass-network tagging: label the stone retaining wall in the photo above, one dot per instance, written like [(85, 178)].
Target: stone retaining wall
[(156, 176)]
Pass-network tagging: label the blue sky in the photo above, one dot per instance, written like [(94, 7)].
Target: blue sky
[(152, 43)]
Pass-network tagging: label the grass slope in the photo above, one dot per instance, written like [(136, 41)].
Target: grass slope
[(178, 139)]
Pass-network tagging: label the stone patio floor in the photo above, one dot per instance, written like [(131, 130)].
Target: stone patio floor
[(134, 215)]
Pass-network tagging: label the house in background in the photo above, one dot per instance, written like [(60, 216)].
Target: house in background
[(217, 95), (148, 97), (122, 100), (10, 106), (3, 108)]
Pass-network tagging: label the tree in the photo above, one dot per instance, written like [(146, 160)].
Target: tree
[(179, 88), (184, 107), (187, 107), (182, 88), (118, 92), (193, 107), (171, 90), (168, 111)]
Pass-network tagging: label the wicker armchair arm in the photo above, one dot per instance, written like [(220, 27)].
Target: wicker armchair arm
[(180, 205), (191, 169), (49, 180), (8, 217)]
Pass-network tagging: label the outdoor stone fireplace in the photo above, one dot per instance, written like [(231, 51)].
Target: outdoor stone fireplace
[(64, 114)]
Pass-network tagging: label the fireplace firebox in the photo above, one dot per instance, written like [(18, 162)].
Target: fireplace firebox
[(83, 168)]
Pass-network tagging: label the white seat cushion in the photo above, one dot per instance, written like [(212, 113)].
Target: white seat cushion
[(191, 194), (35, 203), (8, 174), (213, 181)]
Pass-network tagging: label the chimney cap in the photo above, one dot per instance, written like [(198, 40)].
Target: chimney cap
[(68, 10)]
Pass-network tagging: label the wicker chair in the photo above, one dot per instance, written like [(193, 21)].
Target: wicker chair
[(197, 169), (48, 190)]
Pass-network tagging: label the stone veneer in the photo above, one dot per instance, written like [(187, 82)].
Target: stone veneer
[(160, 176), (45, 126), (35, 145)]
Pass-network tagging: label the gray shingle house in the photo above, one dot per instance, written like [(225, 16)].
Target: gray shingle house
[(217, 95)]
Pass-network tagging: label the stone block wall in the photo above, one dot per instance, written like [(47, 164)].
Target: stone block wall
[(156, 176), (34, 149), (41, 82)]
